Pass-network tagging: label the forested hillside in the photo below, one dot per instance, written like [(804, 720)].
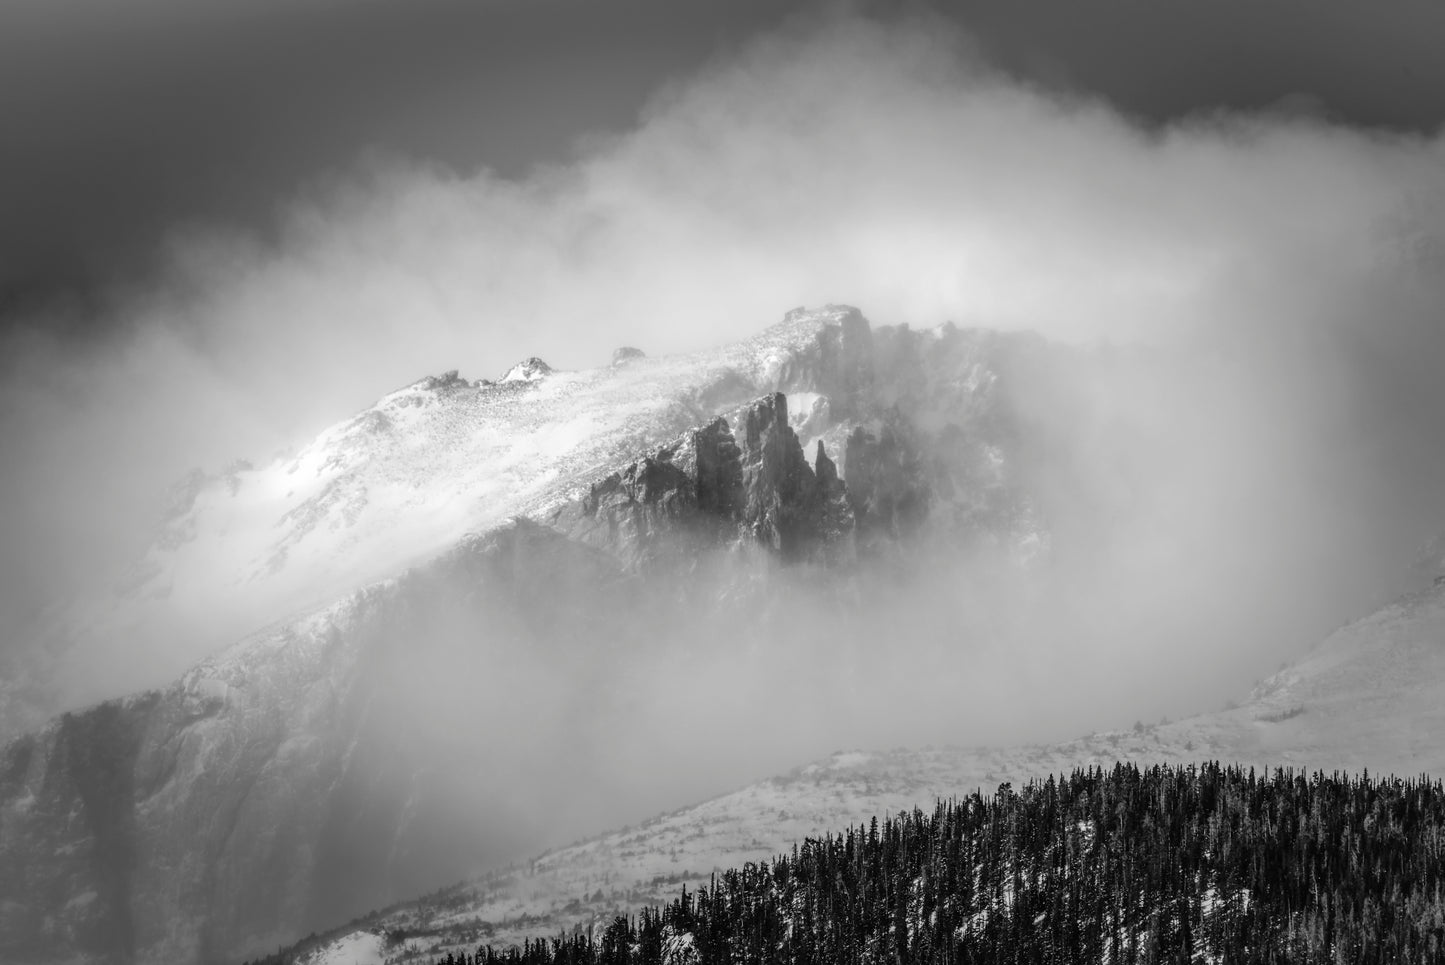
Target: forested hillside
[(1196, 864)]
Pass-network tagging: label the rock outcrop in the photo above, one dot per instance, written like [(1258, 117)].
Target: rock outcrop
[(527, 370), (790, 507), (711, 489), (842, 368)]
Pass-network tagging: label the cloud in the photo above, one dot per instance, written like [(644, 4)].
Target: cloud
[(1287, 269)]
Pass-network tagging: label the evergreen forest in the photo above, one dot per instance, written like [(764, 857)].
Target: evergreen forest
[(1198, 864)]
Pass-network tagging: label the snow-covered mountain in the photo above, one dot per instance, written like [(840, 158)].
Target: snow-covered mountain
[(398, 483), (402, 649), (1370, 697), (404, 586)]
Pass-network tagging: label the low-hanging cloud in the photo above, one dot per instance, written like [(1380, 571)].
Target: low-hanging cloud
[(1289, 270)]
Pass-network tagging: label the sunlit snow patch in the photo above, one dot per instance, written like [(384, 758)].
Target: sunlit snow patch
[(358, 948), (527, 370)]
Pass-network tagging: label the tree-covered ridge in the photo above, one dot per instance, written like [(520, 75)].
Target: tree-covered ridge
[(1196, 864)]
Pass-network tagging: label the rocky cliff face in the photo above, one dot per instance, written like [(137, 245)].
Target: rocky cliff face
[(709, 490), (360, 753)]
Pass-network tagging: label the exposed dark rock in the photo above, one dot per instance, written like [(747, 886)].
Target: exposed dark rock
[(836, 521), (626, 354), (719, 470), (784, 503), (447, 381), (708, 489), (886, 486), (842, 366), (928, 457), (679, 499), (91, 783), (638, 508)]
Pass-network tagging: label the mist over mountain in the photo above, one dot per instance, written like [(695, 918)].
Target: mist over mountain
[(343, 758), (883, 165), (680, 573), (1131, 412)]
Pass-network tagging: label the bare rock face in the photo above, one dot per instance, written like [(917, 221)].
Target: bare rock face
[(87, 762), (718, 469), (786, 506), (706, 490), (627, 354), (639, 513), (843, 366), (888, 494)]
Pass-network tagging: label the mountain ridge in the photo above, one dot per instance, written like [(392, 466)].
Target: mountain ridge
[(287, 780), (391, 486)]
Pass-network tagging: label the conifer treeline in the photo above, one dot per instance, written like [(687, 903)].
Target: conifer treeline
[(1123, 866)]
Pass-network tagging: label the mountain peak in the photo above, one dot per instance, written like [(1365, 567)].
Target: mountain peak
[(528, 370)]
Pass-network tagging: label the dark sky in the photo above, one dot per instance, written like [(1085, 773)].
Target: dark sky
[(123, 121)]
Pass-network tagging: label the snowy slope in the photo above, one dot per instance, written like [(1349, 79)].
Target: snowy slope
[(359, 948), (1370, 696)]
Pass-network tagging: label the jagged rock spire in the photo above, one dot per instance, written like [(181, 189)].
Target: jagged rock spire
[(758, 487)]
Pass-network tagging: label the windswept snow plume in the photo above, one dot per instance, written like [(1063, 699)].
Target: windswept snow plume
[(1266, 472)]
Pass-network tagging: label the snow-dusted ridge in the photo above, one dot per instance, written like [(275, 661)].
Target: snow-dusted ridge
[(393, 486)]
